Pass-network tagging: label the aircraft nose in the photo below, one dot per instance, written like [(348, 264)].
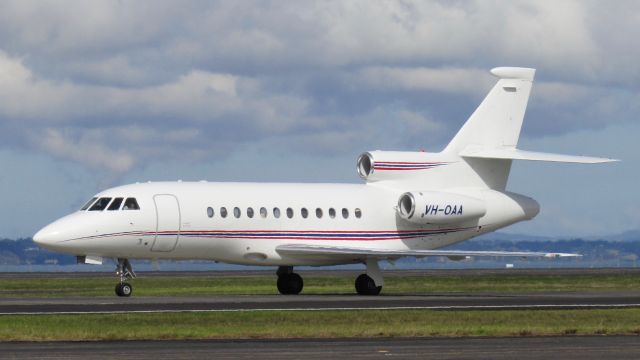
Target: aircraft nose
[(46, 236), (38, 238)]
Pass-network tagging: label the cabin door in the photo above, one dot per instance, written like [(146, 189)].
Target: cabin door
[(168, 223)]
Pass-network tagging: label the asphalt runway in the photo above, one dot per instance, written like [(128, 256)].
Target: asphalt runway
[(114, 304), (522, 348)]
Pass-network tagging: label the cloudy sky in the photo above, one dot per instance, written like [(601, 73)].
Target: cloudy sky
[(101, 93)]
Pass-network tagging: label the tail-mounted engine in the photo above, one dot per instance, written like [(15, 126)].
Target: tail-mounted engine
[(430, 207), (394, 165)]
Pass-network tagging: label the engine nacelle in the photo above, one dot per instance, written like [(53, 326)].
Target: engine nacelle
[(396, 165), (430, 207)]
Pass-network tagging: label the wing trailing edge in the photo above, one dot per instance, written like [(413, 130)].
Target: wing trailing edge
[(310, 250)]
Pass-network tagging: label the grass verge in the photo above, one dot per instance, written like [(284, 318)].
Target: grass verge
[(318, 324), (248, 285)]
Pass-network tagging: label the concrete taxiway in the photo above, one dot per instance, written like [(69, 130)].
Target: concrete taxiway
[(572, 347)]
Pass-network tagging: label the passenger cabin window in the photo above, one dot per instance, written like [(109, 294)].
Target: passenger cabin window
[(86, 206), (131, 204), (115, 204), (101, 204)]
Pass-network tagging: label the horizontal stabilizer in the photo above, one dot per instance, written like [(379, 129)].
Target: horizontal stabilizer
[(295, 249), (516, 154)]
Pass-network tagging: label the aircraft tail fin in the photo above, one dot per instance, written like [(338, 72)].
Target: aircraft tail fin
[(498, 119), (481, 153), (487, 141)]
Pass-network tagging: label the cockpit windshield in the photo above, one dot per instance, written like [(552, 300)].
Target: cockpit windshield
[(115, 205), (86, 206), (101, 204), (105, 203), (131, 204)]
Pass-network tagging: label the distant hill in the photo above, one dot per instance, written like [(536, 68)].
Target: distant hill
[(500, 236), (26, 252), (631, 235)]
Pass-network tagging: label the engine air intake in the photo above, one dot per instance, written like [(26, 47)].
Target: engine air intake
[(365, 165)]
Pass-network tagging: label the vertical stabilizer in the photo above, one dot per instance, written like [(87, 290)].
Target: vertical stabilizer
[(495, 124), (498, 119)]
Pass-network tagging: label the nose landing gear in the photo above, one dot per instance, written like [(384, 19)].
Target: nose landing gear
[(124, 271)]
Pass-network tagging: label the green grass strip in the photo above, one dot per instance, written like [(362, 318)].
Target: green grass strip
[(253, 285), (318, 324)]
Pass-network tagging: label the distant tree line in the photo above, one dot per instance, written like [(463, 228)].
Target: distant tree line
[(26, 252)]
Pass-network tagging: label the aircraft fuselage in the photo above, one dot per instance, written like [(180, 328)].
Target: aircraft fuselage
[(186, 220)]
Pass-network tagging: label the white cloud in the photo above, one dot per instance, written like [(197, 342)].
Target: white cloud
[(212, 76), (88, 149), (197, 111), (448, 80)]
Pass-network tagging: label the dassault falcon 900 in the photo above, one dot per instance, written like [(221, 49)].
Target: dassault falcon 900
[(411, 204)]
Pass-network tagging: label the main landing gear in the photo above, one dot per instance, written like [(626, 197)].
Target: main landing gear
[(124, 271), (371, 282), (366, 286), (289, 283)]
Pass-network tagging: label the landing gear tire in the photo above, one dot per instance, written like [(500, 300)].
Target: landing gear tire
[(124, 290), (290, 284), (366, 286), (124, 271)]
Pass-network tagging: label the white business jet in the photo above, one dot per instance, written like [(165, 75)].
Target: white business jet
[(411, 204)]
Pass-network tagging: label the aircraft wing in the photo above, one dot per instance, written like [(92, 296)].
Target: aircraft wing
[(311, 250)]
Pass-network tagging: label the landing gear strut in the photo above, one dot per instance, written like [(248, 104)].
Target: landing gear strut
[(371, 282), (124, 271), (289, 283)]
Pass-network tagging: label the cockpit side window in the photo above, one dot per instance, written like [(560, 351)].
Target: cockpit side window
[(86, 206), (131, 204), (115, 205), (101, 204)]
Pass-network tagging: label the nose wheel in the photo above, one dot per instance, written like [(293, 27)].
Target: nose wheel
[(124, 271), (124, 289)]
